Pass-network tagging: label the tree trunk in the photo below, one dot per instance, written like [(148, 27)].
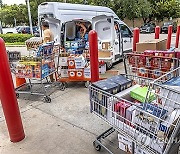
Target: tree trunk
[(133, 22), (144, 20)]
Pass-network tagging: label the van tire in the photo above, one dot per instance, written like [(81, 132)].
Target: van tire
[(109, 65)]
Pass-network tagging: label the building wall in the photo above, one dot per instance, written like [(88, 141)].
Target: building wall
[(139, 22)]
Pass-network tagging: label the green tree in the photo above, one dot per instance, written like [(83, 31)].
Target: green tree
[(164, 9), (1, 3), (144, 9), (130, 8)]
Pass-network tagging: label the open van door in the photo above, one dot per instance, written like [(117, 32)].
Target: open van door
[(55, 27), (104, 26)]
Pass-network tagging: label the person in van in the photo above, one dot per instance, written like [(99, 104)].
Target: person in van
[(82, 29)]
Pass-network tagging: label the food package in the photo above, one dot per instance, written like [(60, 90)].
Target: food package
[(120, 108), (71, 62), (64, 72), (166, 127), (144, 119), (79, 62), (87, 72), (155, 73), (140, 94), (125, 144), (79, 74), (143, 72), (122, 81), (63, 61), (33, 43), (72, 74), (37, 71)]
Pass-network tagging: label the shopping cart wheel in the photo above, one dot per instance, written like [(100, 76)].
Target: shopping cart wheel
[(28, 87), (87, 83), (96, 146), (17, 95), (62, 86), (47, 99)]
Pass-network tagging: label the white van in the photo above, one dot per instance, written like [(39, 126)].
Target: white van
[(112, 32)]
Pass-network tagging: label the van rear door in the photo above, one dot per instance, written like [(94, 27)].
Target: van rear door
[(55, 27), (104, 26)]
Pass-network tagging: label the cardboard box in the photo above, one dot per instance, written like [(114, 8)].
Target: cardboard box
[(106, 45), (71, 63), (64, 72), (87, 73), (166, 127), (107, 86), (125, 144), (72, 74), (144, 119), (79, 74), (155, 44), (130, 114), (140, 94), (63, 61), (79, 62), (104, 54), (122, 81), (120, 108), (139, 150), (170, 99), (102, 69), (67, 44)]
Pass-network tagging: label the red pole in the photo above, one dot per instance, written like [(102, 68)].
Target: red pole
[(135, 37), (93, 46), (168, 45), (177, 37), (157, 32), (8, 98)]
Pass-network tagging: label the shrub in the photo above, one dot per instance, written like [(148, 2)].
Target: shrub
[(11, 38)]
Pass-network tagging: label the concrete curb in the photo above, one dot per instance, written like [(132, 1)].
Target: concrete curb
[(15, 45)]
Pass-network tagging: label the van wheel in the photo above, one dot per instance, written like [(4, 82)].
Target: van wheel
[(109, 65)]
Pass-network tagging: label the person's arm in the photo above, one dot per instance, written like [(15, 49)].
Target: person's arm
[(84, 29)]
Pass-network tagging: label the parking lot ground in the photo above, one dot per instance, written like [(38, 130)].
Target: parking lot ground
[(63, 126)]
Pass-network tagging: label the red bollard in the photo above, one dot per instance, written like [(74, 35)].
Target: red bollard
[(157, 32), (8, 98), (93, 46), (168, 45), (135, 37), (177, 37)]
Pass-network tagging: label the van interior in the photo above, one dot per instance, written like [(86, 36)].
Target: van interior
[(76, 35)]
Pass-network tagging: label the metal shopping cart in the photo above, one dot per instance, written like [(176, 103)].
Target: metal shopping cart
[(150, 65), (152, 126), (37, 67)]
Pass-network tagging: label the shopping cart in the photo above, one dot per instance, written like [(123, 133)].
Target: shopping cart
[(149, 66), (151, 127), (36, 68)]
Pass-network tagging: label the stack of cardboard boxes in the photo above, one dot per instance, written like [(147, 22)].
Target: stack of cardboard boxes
[(77, 66)]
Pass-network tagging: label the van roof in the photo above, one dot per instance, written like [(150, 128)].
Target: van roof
[(69, 6), (47, 7)]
